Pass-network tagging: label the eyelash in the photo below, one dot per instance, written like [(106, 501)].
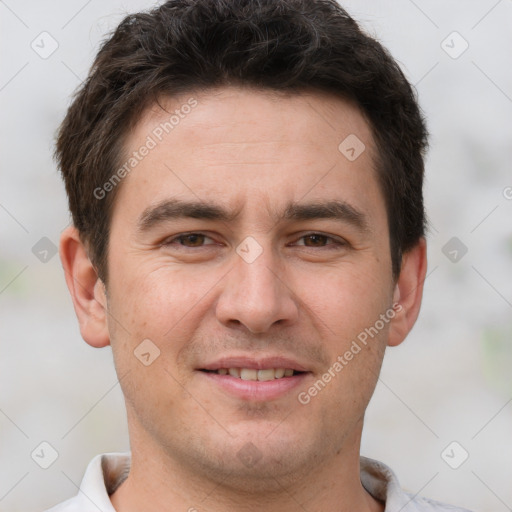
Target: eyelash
[(335, 243)]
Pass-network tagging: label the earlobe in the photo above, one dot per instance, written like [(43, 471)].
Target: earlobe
[(86, 289), (408, 292)]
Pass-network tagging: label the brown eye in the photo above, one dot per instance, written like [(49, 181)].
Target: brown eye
[(192, 240), (316, 240), (321, 241)]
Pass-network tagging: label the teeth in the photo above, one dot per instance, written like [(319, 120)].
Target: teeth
[(234, 372), (279, 373), (269, 374), (259, 375), (248, 374)]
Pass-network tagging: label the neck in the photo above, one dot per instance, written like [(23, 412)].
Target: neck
[(158, 482)]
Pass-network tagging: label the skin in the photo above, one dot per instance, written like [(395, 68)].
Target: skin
[(197, 299)]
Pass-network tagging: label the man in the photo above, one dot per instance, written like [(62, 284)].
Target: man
[(245, 180)]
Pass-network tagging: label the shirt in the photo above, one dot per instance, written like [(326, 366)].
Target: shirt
[(107, 472)]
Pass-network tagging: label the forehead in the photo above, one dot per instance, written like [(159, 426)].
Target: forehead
[(248, 115), (243, 146)]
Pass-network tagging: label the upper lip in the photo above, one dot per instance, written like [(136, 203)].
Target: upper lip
[(256, 363)]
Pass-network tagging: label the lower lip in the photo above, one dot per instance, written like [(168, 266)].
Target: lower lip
[(254, 390)]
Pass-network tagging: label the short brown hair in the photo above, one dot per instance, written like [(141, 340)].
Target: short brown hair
[(280, 45)]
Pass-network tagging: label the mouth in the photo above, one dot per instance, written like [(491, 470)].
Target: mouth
[(253, 374), (255, 380)]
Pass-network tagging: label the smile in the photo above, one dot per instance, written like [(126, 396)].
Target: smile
[(255, 384), (254, 374)]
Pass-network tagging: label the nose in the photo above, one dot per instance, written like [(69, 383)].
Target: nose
[(256, 295)]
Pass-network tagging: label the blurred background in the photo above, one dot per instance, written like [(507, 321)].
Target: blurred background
[(441, 416)]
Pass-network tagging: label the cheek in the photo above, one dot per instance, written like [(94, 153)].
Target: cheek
[(344, 301), (345, 307), (164, 305), (157, 306), (159, 301)]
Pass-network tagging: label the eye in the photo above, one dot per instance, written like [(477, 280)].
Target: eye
[(189, 240), (320, 240), (310, 240)]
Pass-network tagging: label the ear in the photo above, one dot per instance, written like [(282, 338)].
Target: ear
[(86, 289), (408, 292)]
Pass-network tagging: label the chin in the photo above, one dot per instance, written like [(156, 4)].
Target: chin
[(258, 459)]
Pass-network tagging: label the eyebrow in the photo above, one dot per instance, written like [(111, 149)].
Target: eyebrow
[(171, 209), (337, 210)]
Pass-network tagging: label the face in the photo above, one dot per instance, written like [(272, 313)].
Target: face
[(251, 252)]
